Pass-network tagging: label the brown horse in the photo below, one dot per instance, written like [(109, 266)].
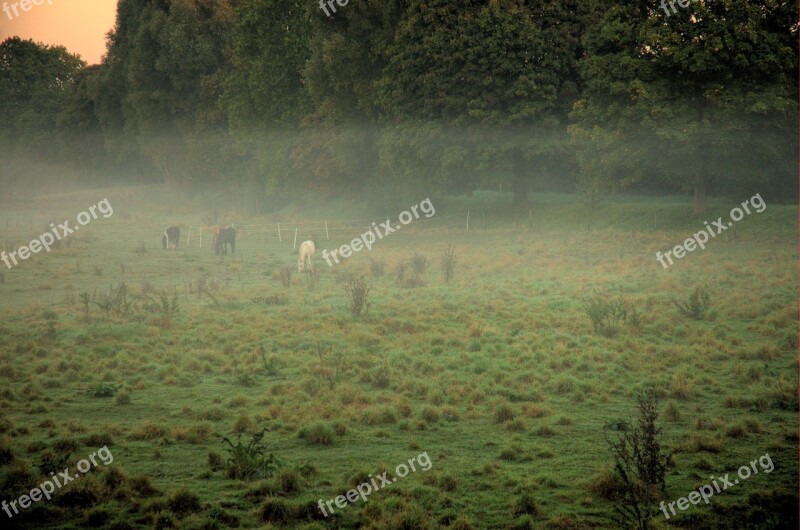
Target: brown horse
[(221, 237)]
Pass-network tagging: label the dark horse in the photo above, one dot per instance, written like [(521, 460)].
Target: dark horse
[(171, 237), (223, 237)]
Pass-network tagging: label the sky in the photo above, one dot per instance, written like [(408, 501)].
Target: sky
[(79, 25)]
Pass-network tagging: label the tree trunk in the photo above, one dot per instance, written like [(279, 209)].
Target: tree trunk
[(520, 184)]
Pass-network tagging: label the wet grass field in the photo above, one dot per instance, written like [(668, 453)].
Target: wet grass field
[(498, 375)]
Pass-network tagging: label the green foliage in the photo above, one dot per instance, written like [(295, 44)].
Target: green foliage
[(317, 434), (250, 461), (607, 315), (104, 390), (640, 465)]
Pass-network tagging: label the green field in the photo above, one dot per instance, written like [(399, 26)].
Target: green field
[(498, 375)]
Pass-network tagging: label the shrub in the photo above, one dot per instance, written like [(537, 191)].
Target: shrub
[(103, 390), (606, 315), (696, 305), (419, 263), (251, 461), (639, 464), (358, 291)]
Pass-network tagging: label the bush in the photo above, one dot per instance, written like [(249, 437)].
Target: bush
[(419, 263), (640, 465), (103, 390), (696, 305), (251, 461), (358, 291), (606, 315)]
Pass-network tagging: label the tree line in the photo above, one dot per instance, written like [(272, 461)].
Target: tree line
[(261, 99)]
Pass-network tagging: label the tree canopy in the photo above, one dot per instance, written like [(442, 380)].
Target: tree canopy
[(275, 97)]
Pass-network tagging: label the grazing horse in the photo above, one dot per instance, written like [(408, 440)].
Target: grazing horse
[(171, 237), (306, 255), (223, 237)]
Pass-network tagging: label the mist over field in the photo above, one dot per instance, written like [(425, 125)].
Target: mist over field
[(402, 264)]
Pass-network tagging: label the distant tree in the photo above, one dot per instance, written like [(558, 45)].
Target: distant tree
[(339, 145), (162, 79), (269, 51), (705, 95), (266, 96), (35, 83), (474, 87)]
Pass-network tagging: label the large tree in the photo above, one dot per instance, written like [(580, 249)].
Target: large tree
[(482, 86), (701, 96), (339, 146), (36, 81), (163, 77)]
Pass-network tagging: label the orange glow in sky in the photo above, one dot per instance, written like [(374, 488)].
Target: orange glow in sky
[(78, 25)]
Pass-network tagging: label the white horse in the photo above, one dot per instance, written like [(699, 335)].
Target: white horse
[(306, 254)]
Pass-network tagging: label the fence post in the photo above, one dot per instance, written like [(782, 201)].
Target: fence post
[(327, 236), (279, 233), (189, 237), (295, 238)]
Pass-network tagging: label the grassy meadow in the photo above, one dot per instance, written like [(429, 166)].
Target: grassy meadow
[(499, 375)]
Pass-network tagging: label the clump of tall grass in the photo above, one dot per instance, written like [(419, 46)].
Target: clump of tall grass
[(184, 502), (317, 434)]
